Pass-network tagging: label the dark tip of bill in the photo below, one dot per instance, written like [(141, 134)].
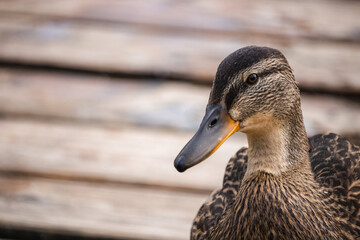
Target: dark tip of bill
[(180, 164)]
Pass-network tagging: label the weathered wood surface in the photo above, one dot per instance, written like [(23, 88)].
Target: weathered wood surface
[(121, 151), (114, 101), (117, 47), (125, 154), (310, 19), (102, 99), (116, 131), (98, 151), (96, 209)]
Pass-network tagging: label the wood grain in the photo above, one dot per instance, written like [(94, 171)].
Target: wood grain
[(93, 155), (310, 19), (109, 101), (130, 155), (161, 104), (96, 210), (105, 47), (123, 131)]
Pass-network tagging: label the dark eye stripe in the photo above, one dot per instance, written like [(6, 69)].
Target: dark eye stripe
[(241, 87), (233, 92)]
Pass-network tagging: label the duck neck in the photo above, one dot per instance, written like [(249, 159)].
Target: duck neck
[(278, 147)]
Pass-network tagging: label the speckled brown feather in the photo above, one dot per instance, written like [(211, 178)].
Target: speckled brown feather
[(335, 163), (212, 209)]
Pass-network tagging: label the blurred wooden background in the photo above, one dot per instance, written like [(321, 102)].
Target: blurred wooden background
[(97, 97)]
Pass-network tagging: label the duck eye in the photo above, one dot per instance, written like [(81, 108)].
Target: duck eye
[(252, 78)]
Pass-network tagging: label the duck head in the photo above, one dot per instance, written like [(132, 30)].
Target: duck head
[(253, 91)]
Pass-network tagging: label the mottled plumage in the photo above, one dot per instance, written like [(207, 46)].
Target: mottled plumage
[(284, 185), (336, 166)]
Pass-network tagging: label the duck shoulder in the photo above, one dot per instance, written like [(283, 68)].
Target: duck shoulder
[(335, 162)]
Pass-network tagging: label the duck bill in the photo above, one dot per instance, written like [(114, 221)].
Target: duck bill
[(215, 128)]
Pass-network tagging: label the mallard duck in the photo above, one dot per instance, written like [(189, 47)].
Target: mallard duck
[(284, 185)]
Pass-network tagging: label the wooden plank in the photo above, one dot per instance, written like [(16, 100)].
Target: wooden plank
[(111, 101), (124, 154), (324, 113), (116, 101), (96, 210), (330, 66), (308, 19)]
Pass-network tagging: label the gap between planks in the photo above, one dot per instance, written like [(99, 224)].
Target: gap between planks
[(99, 180), (92, 210), (151, 103), (126, 49), (129, 155), (123, 152)]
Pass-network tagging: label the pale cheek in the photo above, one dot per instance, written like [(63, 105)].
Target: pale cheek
[(243, 126), (259, 122)]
